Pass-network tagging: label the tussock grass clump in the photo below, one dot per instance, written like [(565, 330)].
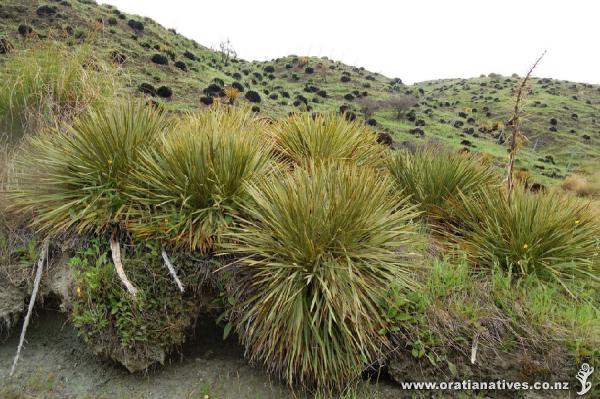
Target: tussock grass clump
[(583, 186), (190, 185), (49, 82), (433, 177), (77, 178), (321, 246), (303, 138), (549, 235)]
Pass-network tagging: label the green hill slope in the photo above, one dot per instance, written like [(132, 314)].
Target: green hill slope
[(562, 123)]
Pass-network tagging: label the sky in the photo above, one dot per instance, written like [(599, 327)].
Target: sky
[(414, 40)]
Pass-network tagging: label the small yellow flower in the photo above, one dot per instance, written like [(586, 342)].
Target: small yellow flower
[(109, 161), (577, 221), (525, 246), (79, 291), (206, 396)]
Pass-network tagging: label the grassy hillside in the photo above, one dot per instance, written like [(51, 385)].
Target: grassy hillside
[(562, 126)]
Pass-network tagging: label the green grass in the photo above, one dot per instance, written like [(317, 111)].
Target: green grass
[(319, 249), (49, 83)]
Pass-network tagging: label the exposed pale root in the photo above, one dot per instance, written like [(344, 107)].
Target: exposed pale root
[(474, 349), (115, 249), (36, 287), (172, 270)]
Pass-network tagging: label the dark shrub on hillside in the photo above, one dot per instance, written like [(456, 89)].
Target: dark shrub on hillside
[(586, 137), (252, 96), (309, 70), (419, 122), (46, 11), (164, 91), (147, 88), (206, 100), (274, 96), (289, 66), (350, 116), (135, 25), (218, 81), (553, 121), (322, 93), (269, 69), (471, 120), (458, 124), (285, 94), (238, 86), (112, 21), (302, 99), (385, 139), (462, 114), (255, 108), (417, 131), (257, 75), (345, 79), (160, 59), (349, 97), (343, 108), (181, 65), (118, 57), (297, 103), (24, 29), (190, 56), (467, 143), (213, 90), (236, 75), (552, 128), (574, 116), (369, 77), (371, 122), (311, 89)]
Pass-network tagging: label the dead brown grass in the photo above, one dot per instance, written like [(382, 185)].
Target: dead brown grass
[(583, 185)]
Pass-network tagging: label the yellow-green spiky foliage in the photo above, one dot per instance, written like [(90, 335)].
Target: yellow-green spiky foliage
[(304, 138), (320, 247), (434, 176), (50, 82), (189, 187), (76, 178), (548, 234)]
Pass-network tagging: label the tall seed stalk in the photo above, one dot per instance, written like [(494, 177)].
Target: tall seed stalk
[(514, 123)]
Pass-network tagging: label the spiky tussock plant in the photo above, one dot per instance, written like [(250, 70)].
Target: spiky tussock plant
[(50, 82), (434, 176), (190, 185), (550, 235), (320, 247), (303, 138), (76, 178)]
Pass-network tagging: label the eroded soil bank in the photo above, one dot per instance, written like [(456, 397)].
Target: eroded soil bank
[(56, 364)]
